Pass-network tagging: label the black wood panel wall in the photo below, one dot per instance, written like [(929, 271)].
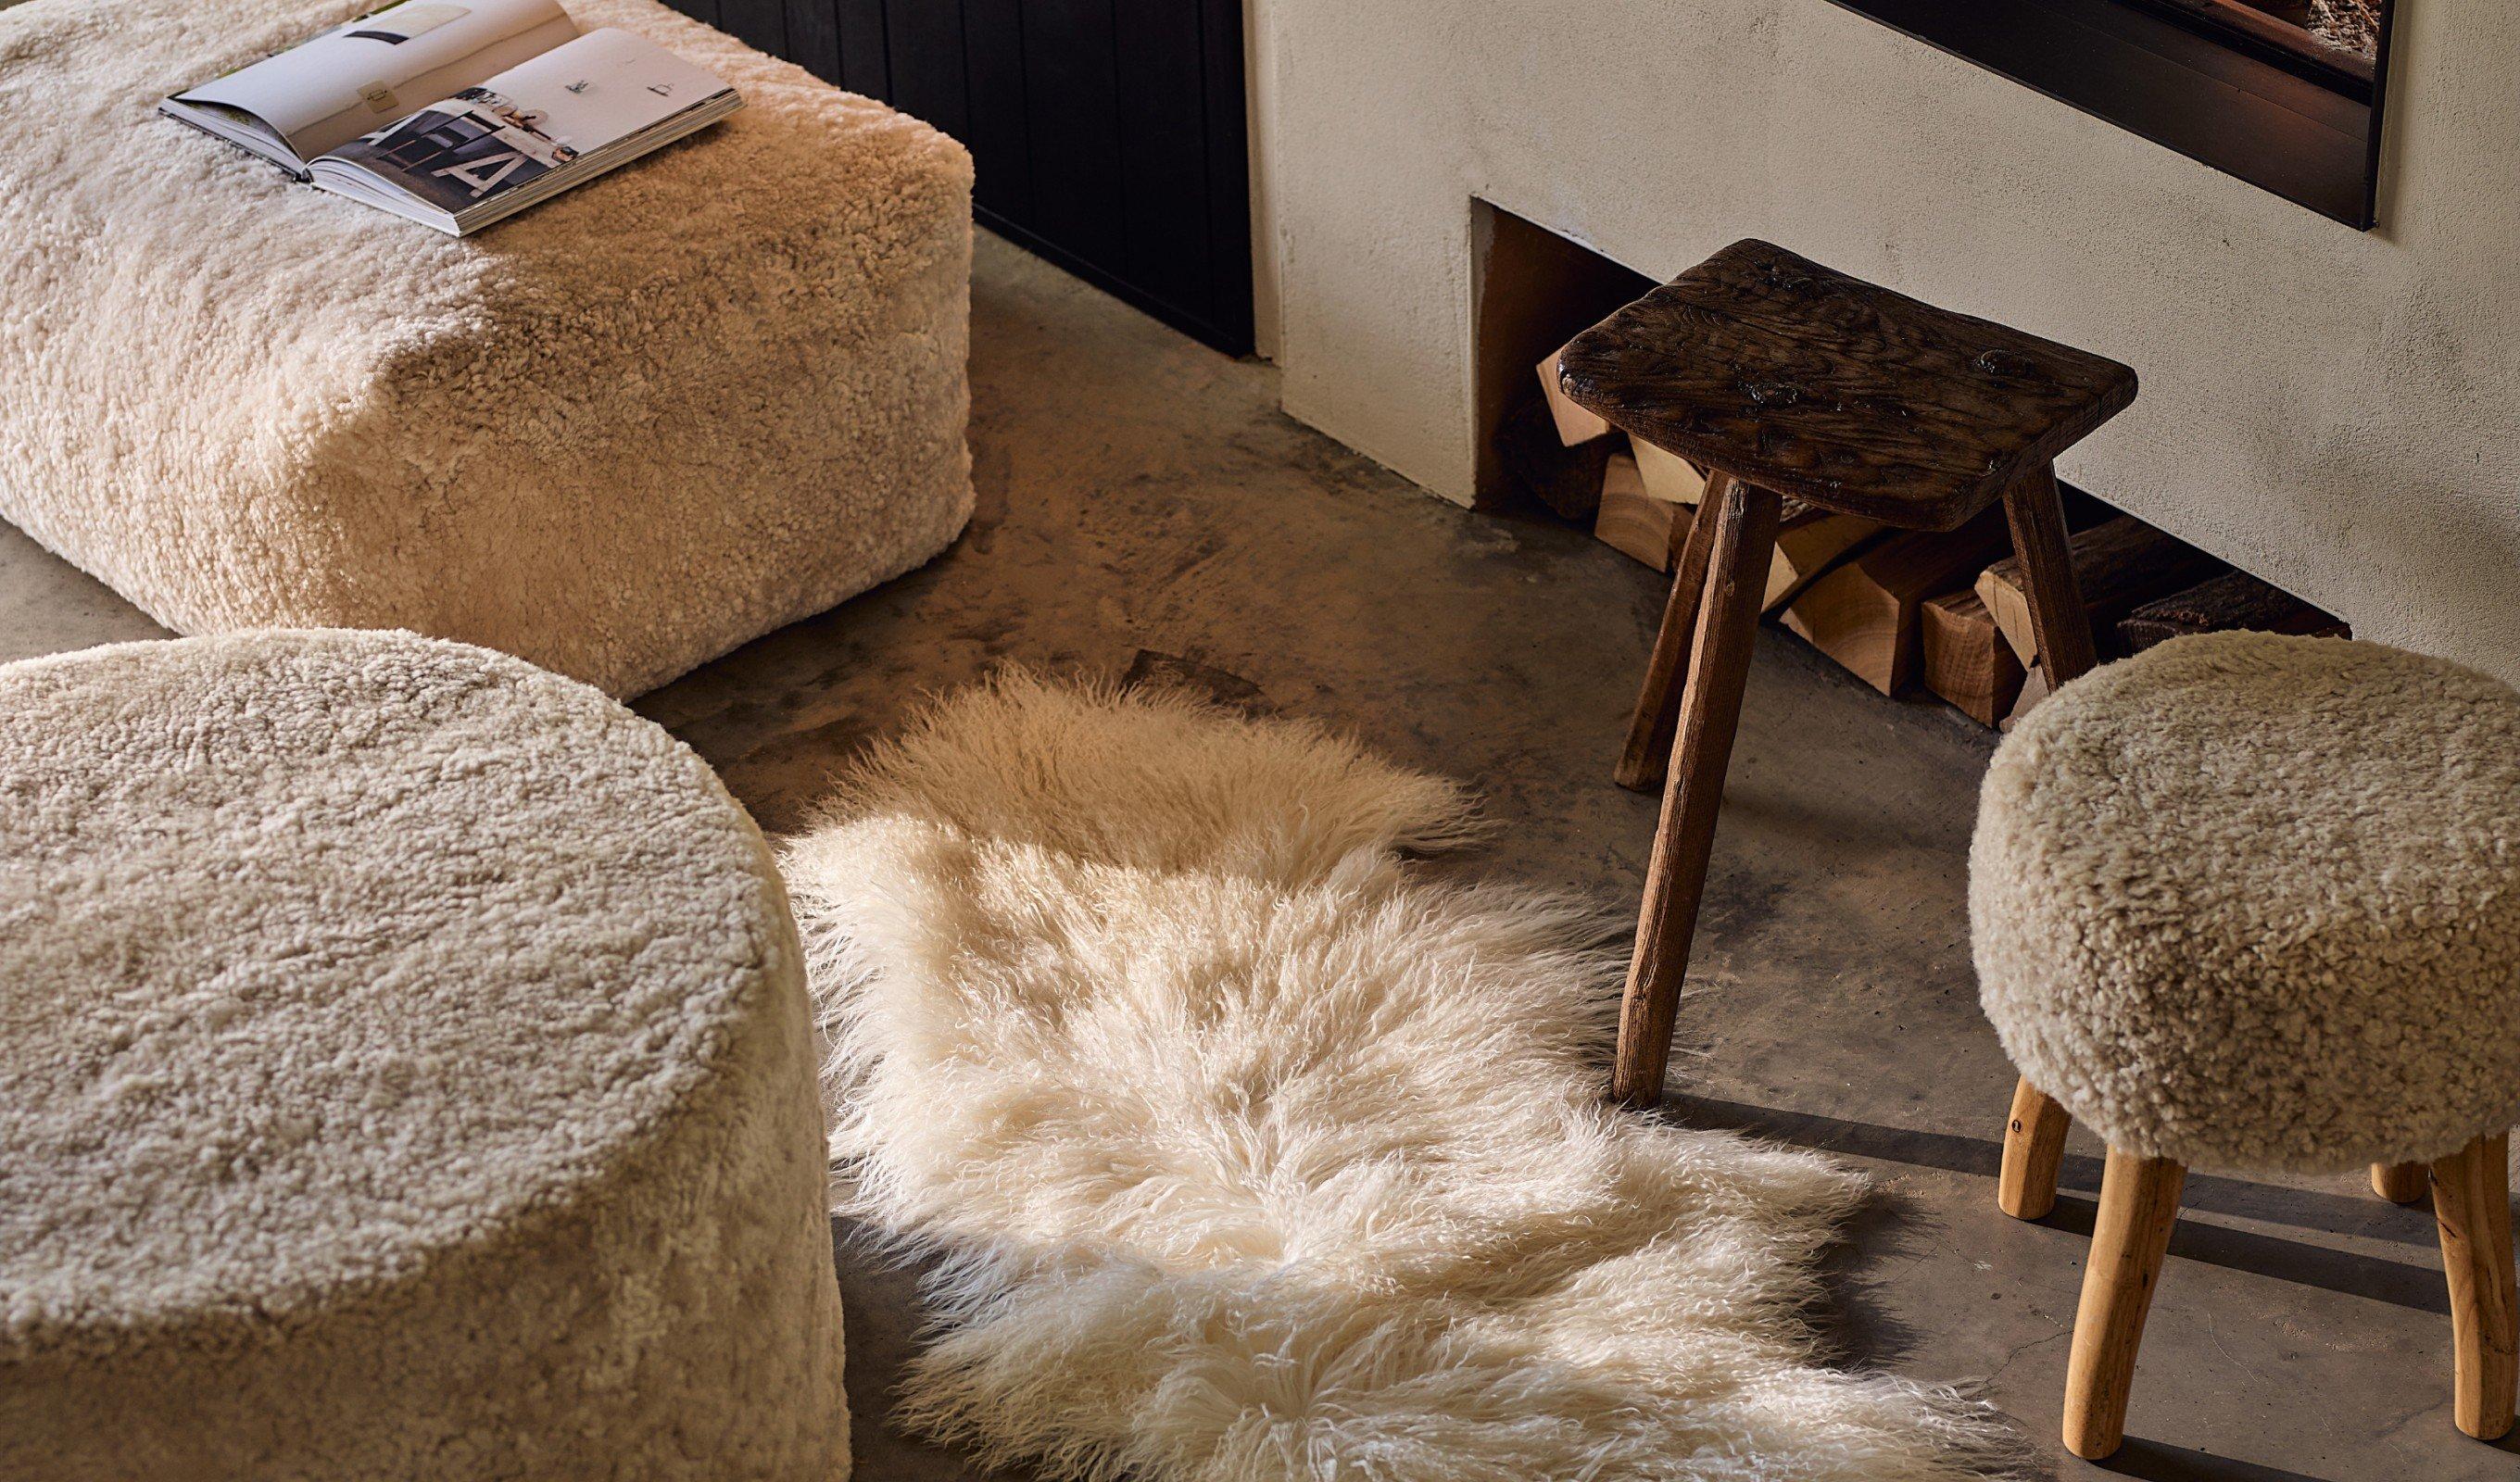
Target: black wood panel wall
[(1107, 134)]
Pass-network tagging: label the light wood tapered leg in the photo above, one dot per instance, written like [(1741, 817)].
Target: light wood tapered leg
[(2034, 1146), (2034, 1137), (2400, 1183), (1650, 731), (2138, 1209), (2472, 1204), (1737, 583)]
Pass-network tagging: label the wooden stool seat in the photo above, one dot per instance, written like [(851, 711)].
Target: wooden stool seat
[(1801, 380), (1785, 379)]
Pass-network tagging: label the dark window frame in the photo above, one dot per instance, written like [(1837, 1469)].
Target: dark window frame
[(2281, 120)]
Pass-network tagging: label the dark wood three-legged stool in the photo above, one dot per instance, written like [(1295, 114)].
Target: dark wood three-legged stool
[(1786, 380)]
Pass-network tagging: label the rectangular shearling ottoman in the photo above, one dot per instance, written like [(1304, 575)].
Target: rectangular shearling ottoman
[(710, 393)]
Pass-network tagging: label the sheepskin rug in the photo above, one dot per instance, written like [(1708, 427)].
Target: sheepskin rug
[(1249, 1148)]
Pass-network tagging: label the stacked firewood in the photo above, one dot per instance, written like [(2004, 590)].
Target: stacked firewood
[(1902, 609), (1642, 499), (2350, 26)]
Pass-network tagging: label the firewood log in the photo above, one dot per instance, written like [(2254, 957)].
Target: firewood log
[(2119, 565), (2235, 600), (1966, 660), (1809, 541), (1568, 480), (2034, 689), (1811, 544), (1668, 475), (1634, 521), (1867, 614), (1574, 424)]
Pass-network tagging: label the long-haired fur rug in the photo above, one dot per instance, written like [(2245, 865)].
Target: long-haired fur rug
[(1250, 1151)]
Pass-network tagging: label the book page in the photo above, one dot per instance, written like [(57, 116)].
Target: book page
[(331, 89), (532, 119)]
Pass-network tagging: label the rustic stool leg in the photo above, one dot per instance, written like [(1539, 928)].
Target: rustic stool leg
[(2472, 1202), (2400, 1183), (2034, 1141), (2138, 1206), (2059, 625), (1656, 721), (1737, 580), (2034, 1145)]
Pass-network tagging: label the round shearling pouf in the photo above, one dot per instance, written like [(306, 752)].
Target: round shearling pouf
[(405, 1073), (2253, 902)]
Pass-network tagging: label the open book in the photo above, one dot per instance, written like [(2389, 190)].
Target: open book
[(455, 113)]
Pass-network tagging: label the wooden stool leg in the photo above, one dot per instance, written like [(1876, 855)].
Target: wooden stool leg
[(2472, 1202), (2400, 1183), (1737, 581), (2138, 1206), (1657, 718), (2034, 1144), (2034, 1140), (2059, 625)]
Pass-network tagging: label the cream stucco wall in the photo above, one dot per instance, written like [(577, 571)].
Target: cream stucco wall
[(2334, 410)]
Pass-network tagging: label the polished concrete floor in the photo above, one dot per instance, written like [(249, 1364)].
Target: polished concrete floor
[(1145, 508)]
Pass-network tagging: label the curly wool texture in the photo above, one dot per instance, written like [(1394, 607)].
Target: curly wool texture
[(712, 392), (405, 1072), (2253, 902), (1254, 1152)]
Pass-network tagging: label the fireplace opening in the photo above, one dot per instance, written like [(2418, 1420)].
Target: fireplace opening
[(2284, 93), (2340, 35), (1911, 613)]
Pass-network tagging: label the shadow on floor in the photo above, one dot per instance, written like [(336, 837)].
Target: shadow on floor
[(1856, 1322), (2418, 1288), (2157, 1461)]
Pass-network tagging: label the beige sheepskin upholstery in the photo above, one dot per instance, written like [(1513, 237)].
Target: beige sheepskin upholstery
[(405, 1072), (1257, 1152), (2253, 902), (713, 392)]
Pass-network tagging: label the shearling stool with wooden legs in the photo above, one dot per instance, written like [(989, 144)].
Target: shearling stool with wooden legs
[(714, 393), (2253, 902), (405, 1073)]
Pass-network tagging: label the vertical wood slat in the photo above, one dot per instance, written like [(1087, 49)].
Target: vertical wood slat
[(1108, 134), (758, 23), (1073, 106), (1228, 178), (866, 60), (814, 37), (1000, 138), (1160, 64), (925, 39)]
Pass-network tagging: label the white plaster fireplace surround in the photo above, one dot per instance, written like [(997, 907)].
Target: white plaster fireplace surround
[(2336, 411)]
